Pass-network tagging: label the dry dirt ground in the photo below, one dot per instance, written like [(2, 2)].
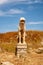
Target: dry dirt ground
[(29, 59)]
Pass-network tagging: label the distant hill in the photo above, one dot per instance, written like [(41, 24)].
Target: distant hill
[(9, 40)]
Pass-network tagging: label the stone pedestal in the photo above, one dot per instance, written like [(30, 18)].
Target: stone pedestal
[(21, 49)]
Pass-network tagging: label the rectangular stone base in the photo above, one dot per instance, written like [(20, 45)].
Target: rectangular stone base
[(21, 49)]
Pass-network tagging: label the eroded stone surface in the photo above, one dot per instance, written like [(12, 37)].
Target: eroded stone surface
[(29, 59)]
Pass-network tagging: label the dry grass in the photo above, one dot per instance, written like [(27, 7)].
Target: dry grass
[(8, 42)]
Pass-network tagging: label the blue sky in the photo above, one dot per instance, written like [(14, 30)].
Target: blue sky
[(12, 10)]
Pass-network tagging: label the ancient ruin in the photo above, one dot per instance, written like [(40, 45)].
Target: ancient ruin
[(21, 46)]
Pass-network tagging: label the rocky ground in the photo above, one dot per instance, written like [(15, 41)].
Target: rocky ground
[(29, 59)]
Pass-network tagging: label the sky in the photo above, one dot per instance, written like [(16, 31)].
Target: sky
[(12, 10)]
